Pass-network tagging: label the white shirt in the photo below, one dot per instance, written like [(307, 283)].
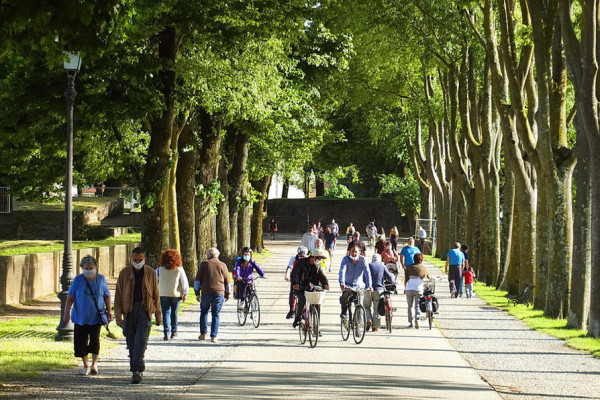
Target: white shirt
[(422, 233), (308, 240), (415, 283), (292, 260)]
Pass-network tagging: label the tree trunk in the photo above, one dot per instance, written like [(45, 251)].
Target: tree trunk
[(244, 218), (207, 179), (286, 188), (506, 233), (186, 194), (237, 179), (256, 238), (320, 185), (155, 188), (222, 219), (579, 305)]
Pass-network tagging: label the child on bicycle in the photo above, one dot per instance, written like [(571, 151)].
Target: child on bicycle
[(307, 272), (243, 273)]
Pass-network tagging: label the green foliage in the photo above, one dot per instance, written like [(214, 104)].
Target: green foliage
[(211, 191), (14, 247), (339, 191), (405, 192)]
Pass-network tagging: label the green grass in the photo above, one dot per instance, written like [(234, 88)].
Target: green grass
[(535, 319), (79, 204), (14, 247), (27, 347)]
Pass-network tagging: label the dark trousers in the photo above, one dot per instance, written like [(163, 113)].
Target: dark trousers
[(344, 300), (422, 244), (86, 339), (136, 328), (291, 297), (454, 277), (302, 303), (212, 302)]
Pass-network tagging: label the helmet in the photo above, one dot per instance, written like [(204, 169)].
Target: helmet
[(303, 251), (247, 250)]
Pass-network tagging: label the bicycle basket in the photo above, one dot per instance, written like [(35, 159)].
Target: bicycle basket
[(314, 297)]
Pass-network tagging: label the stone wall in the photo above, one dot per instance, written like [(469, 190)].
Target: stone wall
[(28, 276), (291, 214)]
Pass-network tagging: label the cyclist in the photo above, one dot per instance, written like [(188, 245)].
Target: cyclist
[(308, 272), (359, 243), (243, 272), (379, 275), (301, 253), (355, 274), (350, 232)]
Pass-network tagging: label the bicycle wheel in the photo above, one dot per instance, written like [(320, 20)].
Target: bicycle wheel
[(302, 328), (313, 331), (345, 325), (255, 310), (241, 312), (430, 318), (359, 324)]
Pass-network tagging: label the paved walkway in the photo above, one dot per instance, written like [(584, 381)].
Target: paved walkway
[(269, 362)]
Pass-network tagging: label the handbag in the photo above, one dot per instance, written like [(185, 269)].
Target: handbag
[(101, 313)]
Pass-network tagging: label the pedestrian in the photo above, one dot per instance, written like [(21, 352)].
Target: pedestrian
[(136, 299), (465, 251), (394, 238), (308, 239), (408, 252), (381, 244), (469, 275), (319, 228), (329, 246), (413, 281), (379, 274), (273, 228), (212, 279), (87, 290), (455, 260), (422, 237), (359, 243), (335, 229), (173, 287)]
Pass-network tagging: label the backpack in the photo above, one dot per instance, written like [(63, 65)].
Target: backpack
[(381, 306)]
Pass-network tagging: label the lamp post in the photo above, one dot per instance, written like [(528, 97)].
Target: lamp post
[(65, 330)]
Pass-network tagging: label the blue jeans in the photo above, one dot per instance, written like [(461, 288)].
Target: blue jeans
[(170, 307), (460, 283), (214, 302)]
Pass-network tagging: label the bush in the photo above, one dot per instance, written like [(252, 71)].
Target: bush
[(339, 191)]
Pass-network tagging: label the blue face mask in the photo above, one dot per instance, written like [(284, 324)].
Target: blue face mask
[(246, 258)]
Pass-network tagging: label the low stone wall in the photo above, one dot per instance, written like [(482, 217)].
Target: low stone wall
[(28, 276), (291, 214)]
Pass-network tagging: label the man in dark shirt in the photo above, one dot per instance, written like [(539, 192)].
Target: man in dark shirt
[(307, 271), (359, 243)]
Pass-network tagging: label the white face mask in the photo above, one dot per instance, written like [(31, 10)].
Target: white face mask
[(354, 257), (89, 273), (139, 265), (389, 247)]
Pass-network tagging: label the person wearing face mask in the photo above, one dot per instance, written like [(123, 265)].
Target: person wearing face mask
[(243, 272), (355, 274), (136, 299), (389, 257), (308, 271), (85, 287)]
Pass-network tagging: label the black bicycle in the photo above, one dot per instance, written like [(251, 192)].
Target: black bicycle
[(309, 325), (357, 317), (248, 304)]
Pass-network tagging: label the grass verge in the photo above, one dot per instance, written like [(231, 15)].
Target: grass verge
[(15, 247), (535, 319), (27, 347)]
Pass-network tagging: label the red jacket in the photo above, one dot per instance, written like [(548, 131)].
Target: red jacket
[(469, 276)]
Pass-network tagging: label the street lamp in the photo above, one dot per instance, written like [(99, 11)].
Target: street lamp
[(65, 330)]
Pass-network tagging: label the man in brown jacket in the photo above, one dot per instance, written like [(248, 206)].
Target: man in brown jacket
[(136, 299), (214, 281)]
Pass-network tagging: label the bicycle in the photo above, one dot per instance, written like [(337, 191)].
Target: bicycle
[(428, 302), (356, 319), (248, 305), (387, 302), (309, 325)]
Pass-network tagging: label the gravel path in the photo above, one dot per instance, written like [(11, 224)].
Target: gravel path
[(518, 362)]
